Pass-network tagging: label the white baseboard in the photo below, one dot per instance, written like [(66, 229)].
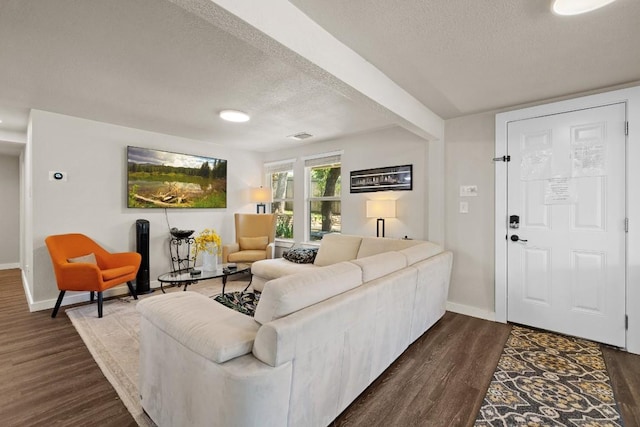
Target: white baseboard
[(27, 292), (9, 266), (78, 297), (468, 310)]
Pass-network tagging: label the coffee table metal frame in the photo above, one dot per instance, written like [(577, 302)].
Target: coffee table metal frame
[(184, 277)]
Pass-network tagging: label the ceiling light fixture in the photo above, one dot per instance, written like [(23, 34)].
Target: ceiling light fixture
[(576, 7), (234, 116)]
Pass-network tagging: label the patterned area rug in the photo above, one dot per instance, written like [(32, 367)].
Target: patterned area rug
[(545, 379), (244, 302)]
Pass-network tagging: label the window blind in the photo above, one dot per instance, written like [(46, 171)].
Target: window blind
[(321, 160), (279, 166)]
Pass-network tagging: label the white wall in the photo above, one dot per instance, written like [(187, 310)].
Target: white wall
[(388, 147), (10, 211), (469, 149), (93, 199)]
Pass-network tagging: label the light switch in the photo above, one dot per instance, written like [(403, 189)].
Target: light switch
[(468, 190), (464, 207)]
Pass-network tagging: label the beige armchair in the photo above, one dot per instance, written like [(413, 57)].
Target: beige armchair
[(255, 234)]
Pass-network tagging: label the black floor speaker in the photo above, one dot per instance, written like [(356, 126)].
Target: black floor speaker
[(143, 284)]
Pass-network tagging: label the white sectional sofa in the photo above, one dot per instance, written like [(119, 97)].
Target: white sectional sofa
[(319, 337)]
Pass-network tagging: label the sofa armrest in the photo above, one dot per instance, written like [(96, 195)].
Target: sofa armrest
[(229, 249), (201, 324)]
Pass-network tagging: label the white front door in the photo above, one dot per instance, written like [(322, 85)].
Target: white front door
[(566, 194)]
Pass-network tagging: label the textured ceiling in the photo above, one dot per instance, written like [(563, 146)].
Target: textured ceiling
[(464, 56), (152, 65)]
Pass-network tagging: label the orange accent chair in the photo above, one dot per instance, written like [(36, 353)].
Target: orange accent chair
[(80, 264)]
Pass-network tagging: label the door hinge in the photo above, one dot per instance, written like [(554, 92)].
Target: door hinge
[(626, 322), (626, 128), (626, 225), (502, 159)]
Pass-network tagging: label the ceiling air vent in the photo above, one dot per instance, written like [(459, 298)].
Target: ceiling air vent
[(300, 136)]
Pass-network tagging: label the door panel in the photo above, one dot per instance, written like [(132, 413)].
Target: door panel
[(588, 280), (566, 182), (537, 275), (590, 213), (536, 214)]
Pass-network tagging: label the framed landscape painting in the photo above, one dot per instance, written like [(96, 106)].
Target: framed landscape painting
[(162, 179)]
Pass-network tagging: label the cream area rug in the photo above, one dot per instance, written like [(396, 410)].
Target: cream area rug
[(113, 339)]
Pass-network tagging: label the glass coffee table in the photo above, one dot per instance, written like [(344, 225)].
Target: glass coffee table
[(188, 276)]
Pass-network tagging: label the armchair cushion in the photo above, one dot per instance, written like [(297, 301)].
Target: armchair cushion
[(88, 259), (253, 243), (247, 256), (114, 273)]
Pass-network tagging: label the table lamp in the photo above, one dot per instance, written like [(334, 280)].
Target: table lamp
[(381, 209), (260, 195)]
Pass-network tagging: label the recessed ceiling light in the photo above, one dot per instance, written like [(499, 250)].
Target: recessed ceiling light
[(0, 121), (576, 7), (234, 116), (300, 136)]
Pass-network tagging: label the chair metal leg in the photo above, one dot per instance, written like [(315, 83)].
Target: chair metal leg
[(92, 296), (100, 304), (58, 302), (131, 290)]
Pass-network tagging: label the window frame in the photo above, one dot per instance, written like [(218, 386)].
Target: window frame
[(319, 161), (276, 168)]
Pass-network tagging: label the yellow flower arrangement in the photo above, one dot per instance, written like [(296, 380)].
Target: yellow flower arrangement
[(207, 241)]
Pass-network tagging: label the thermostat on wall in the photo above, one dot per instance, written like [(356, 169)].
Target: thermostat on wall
[(57, 176)]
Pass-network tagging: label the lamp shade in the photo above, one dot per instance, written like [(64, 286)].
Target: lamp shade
[(381, 208), (260, 195)]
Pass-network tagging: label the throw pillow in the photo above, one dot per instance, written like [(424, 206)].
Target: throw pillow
[(301, 255), (253, 243), (89, 259)]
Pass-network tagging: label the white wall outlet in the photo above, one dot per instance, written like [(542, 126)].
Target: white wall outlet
[(468, 190), (57, 176), (464, 207)]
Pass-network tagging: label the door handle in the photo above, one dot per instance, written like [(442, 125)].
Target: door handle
[(515, 238)]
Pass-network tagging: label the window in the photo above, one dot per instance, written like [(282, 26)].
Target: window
[(323, 196), (281, 177)]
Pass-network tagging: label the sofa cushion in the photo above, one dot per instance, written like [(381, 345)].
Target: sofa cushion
[(201, 324), (289, 294), (270, 269), (336, 247), (253, 243), (379, 265), (377, 245), (421, 252), (301, 255)]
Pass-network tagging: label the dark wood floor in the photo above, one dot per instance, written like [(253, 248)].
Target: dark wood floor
[(48, 376)]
